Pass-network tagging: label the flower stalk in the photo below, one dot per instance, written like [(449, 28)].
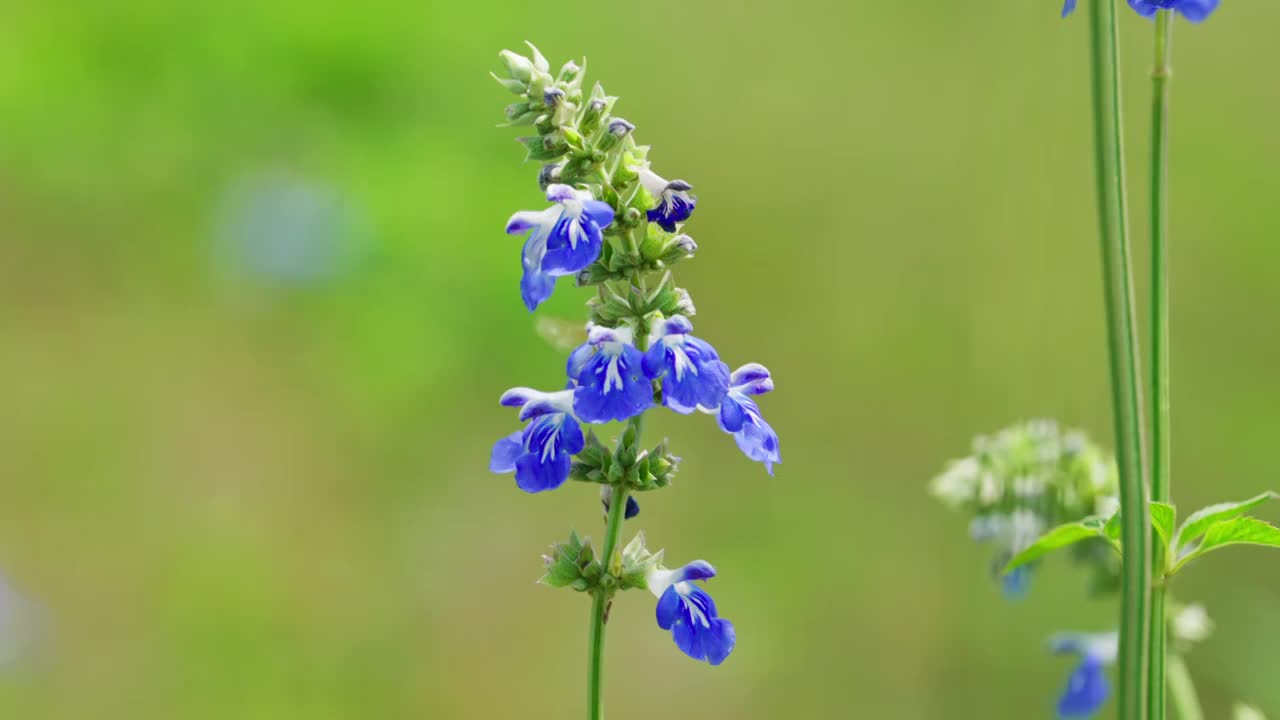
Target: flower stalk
[(1117, 270), (1161, 448)]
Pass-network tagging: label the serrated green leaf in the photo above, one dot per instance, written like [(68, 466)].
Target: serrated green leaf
[(1163, 516), (1201, 520), (1055, 539), (1237, 531)]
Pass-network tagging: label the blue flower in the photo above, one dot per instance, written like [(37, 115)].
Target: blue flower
[(611, 384), (1088, 688), (540, 454), (740, 415), (675, 204), (1193, 10), (565, 238), (689, 612), (695, 377)]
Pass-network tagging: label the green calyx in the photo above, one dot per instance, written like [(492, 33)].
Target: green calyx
[(629, 465)]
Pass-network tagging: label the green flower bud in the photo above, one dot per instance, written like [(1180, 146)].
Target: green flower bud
[(518, 66)]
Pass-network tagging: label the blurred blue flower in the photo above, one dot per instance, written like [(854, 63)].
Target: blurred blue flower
[(540, 455), (611, 384), (740, 416), (287, 230), (694, 376), (689, 612), (563, 239), (1193, 10), (675, 204), (1088, 688)]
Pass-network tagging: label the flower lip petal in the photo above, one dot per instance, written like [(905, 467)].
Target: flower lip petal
[(749, 373), (518, 396), (505, 453), (696, 570), (559, 192), (677, 325), (525, 220), (679, 186)]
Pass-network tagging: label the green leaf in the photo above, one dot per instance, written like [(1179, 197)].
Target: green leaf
[(1237, 531), (1162, 518), (1057, 538), (1201, 520)]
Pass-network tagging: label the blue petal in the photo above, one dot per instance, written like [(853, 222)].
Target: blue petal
[(535, 287), (696, 570), (1068, 7), (1086, 692), (669, 607), (578, 360), (719, 641), (572, 245), (750, 376), (684, 632), (757, 438), (732, 415), (1197, 10), (1016, 584), (505, 452), (611, 385), (533, 475), (673, 207), (599, 212), (695, 377), (571, 438), (1145, 8), (633, 508)]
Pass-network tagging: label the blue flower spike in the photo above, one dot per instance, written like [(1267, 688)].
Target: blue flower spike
[(693, 377), (563, 239), (689, 612), (740, 416), (540, 455), (675, 204), (611, 383), (1087, 689)]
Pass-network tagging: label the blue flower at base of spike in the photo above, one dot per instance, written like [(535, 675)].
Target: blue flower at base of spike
[(540, 455), (689, 612), (611, 382), (1087, 689), (740, 416), (675, 204), (693, 377), (1193, 10), (563, 239)]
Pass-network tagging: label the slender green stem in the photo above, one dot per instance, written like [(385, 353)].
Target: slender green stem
[(1126, 393), (600, 600), (1160, 384), (1183, 691)]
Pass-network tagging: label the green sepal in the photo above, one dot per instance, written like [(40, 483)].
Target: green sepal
[(571, 564), (637, 561)]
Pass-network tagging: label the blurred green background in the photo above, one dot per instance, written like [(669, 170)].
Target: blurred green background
[(256, 309)]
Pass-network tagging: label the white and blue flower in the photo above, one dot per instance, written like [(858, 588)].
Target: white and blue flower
[(1088, 688), (740, 416), (541, 454), (675, 204), (611, 381), (689, 612), (693, 377), (563, 239)]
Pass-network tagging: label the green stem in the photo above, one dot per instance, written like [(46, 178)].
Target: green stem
[(600, 600), (1123, 347), (1160, 384), (1183, 691)]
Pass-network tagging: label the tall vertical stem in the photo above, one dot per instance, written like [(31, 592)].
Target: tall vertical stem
[(1160, 383), (1123, 351), (600, 600)]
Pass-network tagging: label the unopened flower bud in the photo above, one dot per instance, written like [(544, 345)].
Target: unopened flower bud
[(518, 65)]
